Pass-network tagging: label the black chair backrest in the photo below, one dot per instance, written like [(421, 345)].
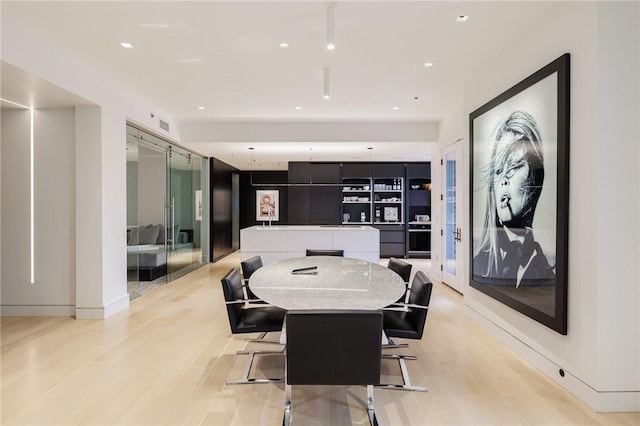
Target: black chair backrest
[(325, 252), (401, 268), (326, 347), (250, 265), (420, 294), (232, 289)]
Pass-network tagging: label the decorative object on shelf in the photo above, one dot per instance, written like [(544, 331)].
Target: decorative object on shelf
[(391, 214), (415, 186), (346, 217), (522, 138)]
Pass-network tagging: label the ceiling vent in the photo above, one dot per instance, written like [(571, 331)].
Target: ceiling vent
[(164, 125)]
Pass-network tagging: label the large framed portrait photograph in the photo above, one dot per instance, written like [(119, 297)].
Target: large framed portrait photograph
[(267, 205), (519, 148)]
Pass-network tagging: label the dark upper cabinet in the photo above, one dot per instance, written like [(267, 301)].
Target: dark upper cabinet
[(298, 195), (324, 172), (311, 202), (356, 170), (324, 201), (298, 172), (419, 170), (388, 170)]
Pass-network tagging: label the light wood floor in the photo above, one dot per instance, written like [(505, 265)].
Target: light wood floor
[(166, 360)]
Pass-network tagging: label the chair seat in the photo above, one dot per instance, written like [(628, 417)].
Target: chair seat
[(398, 324), (262, 319)]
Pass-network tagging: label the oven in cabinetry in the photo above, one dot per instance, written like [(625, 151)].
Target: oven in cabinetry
[(419, 239)]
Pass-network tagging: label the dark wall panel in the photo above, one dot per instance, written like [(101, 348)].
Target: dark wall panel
[(221, 208), (252, 181)]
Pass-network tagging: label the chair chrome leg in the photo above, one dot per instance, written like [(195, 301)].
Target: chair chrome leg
[(393, 345), (247, 371), (406, 380), (262, 339), (370, 406), (286, 421)]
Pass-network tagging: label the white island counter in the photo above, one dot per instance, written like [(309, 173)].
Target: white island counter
[(284, 241)]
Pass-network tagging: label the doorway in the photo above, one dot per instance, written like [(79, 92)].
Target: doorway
[(453, 258)]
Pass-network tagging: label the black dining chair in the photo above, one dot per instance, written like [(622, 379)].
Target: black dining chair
[(403, 269), (245, 317), (325, 252), (408, 323), (249, 266), (328, 347)]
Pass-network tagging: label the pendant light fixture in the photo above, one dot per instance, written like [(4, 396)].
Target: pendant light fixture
[(327, 83), (331, 29)]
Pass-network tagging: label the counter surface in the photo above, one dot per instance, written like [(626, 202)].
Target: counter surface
[(285, 241)]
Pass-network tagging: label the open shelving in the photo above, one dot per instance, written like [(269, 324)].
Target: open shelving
[(356, 201)]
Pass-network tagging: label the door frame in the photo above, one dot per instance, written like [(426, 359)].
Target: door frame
[(454, 281)]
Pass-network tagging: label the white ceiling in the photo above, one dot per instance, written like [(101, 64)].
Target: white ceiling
[(225, 57)]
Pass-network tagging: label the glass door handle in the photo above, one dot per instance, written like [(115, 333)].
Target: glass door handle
[(173, 223), (169, 215)]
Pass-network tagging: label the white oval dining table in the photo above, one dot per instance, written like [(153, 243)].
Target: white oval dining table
[(338, 283)]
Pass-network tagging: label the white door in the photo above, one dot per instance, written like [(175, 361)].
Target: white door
[(452, 234)]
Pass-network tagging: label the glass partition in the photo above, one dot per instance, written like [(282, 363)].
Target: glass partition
[(166, 214)]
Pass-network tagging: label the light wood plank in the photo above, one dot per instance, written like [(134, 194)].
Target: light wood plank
[(166, 360)]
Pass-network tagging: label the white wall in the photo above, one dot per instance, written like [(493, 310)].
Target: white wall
[(100, 168), (53, 291), (601, 352), (619, 144)]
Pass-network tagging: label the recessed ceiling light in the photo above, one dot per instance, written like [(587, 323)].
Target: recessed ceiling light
[(126, 45), (326, 96), (201, 107), (395, 108), (462, 18), (284, 45), (428, 64), (298, 107)]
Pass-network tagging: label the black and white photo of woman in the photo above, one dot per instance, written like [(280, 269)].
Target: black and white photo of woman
[(507, 253)]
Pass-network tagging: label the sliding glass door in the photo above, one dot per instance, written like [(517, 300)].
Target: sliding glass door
[(166, 218), (185, 210)]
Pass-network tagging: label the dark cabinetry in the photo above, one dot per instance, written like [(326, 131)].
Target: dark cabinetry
[(309, 201), (388, 206), (418, 207), (324, 201), (298, 195), (393, 197)]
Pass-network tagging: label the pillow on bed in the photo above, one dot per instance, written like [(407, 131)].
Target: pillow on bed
[(148, 234)]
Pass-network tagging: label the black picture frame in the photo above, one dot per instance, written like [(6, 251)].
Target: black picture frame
[(519, 191)]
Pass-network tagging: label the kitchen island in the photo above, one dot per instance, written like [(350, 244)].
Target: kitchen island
[(278, 242)]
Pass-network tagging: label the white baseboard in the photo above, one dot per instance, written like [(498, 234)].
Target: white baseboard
[(604, 402), (118, 305), (105, 312), (37, 310)]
